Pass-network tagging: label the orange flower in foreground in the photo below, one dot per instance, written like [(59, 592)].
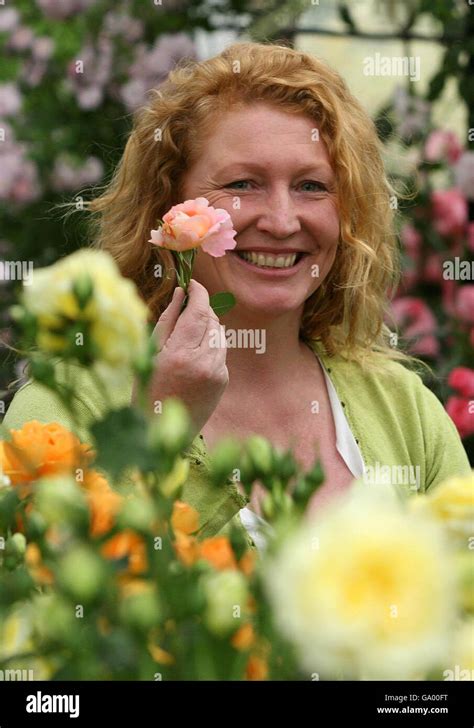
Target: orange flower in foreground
[(39, 450), (248, 561), (103, 501), (185, 518), (244, 638), (187, 548), (127, 545), (218, 552), (38, 571), (257, 668)]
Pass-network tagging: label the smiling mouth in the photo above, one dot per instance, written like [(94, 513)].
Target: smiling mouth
[(270, 260)]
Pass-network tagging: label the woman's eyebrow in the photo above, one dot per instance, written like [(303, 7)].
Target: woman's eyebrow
[(255, 166)]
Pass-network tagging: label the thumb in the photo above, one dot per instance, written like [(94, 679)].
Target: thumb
[(167, 321)]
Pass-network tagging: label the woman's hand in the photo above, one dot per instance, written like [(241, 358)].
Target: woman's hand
[(187, 366)]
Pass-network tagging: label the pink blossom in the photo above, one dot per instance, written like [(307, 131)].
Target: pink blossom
[(43, 48), (60, 9), (464, 305), (449, 208), (458, 408), (464, 174), (470, 236), (194, 224), (433, 268), (122, 24), (68, 175), (448, 296), (19, 178), (90, 72), (462, 379), (416, 320), (411, 240), (21, 39), (10, 99), (9, 19), (151, 67), (443, 144)]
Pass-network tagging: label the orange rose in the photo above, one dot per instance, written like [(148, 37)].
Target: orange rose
[(184, 519), (247, 562), (187, 548), (39, 450), (257, 668), (127, 545), (103, 501), (38, 571), (218, 552), (244, 638)]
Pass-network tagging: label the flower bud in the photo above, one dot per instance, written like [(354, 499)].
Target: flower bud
[(226, 596), (82, 574), (141, 611), (224, 459), (83, 288), (170, 429), (259, 451)]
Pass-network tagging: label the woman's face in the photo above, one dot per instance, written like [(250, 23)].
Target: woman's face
[(268, 169)]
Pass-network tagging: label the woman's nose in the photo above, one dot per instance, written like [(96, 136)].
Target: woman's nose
[(278, 216)]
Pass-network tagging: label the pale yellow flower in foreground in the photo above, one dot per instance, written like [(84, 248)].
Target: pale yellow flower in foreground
[(16, 638), (366, 590), (115, 312), (460, 665), (451, 503)]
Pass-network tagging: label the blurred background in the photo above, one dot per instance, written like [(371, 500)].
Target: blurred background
[(73, 72)]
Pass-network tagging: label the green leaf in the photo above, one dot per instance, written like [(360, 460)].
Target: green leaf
[(121, 441), (222, 302)]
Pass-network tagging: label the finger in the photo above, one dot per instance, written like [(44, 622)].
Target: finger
[(167, 321), (194, 320), (214, 338)]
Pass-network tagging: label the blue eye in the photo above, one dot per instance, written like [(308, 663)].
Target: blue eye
[(238, 182), (319, 184)]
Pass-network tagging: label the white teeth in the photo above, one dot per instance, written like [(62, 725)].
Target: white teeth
[(269, 260)]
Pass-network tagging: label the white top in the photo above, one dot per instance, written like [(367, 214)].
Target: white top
[(346, 446)]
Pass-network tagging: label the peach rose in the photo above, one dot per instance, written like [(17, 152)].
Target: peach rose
[(194, 224)]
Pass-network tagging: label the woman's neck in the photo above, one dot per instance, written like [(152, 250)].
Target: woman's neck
[(263, 351)]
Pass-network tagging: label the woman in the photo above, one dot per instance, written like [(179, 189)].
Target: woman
[(273, 136)]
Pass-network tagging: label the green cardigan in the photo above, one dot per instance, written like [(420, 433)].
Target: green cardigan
[(395, 420)]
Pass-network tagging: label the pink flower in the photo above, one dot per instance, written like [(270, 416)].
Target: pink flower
[(21, 38), (464, 173), (433, 270), (411, 240), (442, 144), (10, 99), (417, 322), (449, 209), (462, 380), (9, 18), (194, 224), (470, 236), (461, 411), (464, 305)]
